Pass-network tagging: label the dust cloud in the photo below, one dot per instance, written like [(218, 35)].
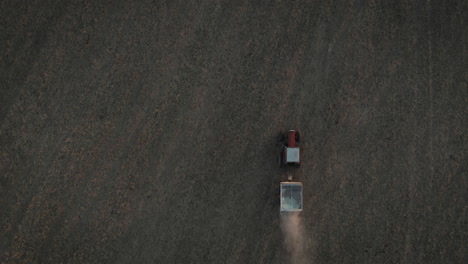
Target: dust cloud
[(294, 237)]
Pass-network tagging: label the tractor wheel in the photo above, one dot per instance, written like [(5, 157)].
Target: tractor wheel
[(281, 137), (298, 136)]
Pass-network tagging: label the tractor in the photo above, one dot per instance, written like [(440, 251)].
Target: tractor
[(290, 151), (290, 191)]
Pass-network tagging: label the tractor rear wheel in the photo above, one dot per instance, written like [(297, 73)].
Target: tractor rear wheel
[(280, 160)]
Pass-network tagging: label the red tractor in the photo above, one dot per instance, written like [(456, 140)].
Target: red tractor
[(290, 153)]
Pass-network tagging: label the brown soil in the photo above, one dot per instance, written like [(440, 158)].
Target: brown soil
[(146, 133)]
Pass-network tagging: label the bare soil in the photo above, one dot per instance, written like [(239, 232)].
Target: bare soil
[(146, 132)]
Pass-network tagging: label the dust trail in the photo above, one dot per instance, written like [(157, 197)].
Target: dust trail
[(294, 237)]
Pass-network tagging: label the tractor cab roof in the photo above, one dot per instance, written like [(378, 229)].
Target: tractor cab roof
[(292, 154)]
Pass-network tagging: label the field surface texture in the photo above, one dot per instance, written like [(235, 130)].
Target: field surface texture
[(147, 132)]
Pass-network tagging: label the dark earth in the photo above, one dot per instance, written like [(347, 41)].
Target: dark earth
[(147, 132)]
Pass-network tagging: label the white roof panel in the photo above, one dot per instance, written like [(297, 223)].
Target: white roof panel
[(292, 154)]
